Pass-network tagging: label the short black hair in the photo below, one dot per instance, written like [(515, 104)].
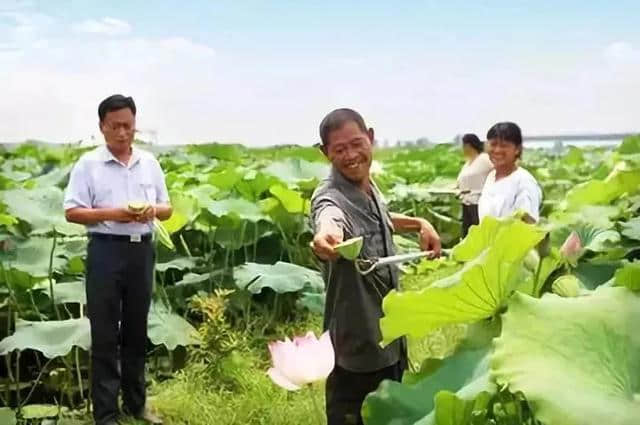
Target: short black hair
[(114, 103), (507, 131), (473, 141), (336, 119)]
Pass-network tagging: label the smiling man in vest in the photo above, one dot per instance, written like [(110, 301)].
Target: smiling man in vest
[(344, 206), (120, 257)]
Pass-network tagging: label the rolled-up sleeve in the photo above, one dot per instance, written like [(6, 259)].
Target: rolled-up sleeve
[(78, 192), (162, 194), (325, 213)]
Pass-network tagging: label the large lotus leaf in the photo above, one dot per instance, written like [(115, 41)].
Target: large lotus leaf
[(630, 145), (68, 292), (31, 258), (183, 263), (593, 192), (280, 277), (577, 360), (254, 184), (185, 208), (622, 179), (169, 329), (312, 301), (40, 411), (402, 404), (596, 273), (629, 276), (236, 208), (41, 208), (631, 228), (52, 178), (7, 416), (494, 252), (600, 216), (291, 200), (52, 338), (196, 278), (625, 178), (293, 171), (225, 179)]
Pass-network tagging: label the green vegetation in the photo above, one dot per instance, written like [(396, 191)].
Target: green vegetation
[(235, 271)]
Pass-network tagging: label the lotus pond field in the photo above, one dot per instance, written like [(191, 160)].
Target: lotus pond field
[(520, 324)]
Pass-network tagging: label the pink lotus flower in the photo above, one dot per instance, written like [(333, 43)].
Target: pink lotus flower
[(301, 361), (572, 247)]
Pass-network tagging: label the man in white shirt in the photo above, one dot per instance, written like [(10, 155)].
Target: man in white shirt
[(120, 256)]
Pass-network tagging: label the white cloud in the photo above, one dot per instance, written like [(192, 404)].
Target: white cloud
[(622, 52), (106, 26)]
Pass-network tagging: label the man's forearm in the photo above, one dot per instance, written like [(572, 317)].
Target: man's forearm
[(405, 223), (89, 215)]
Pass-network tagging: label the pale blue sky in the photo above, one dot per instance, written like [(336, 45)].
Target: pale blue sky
[(265, 72)]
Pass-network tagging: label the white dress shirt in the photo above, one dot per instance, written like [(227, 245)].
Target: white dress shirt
[(100, 180), (518, 190)]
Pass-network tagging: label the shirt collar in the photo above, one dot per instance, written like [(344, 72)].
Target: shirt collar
[(350, 189), (107, 156)]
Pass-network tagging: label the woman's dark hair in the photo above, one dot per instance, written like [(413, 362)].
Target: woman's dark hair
[(473, 141), (336, 119), (114, 103), (508, 132)]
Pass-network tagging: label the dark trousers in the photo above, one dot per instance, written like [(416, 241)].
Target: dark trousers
[(346, 390), (119, 284), (469, 217)]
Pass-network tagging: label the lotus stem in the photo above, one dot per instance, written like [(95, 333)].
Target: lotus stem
[(318, 412), (185, 246), (35, 384), (53, 248)]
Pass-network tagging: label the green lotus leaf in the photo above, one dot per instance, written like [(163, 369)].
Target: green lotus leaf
[(281, 277), (629, 276), (169, 329), (631, 228), (29, 260), (350, 249), (577, 360), (184, 209), (466, 372), (40, 411), (494, 252), (7, 416), (183, 263), (294, 171), (52, 338), (41, 208), (291, 200), (237, 208)]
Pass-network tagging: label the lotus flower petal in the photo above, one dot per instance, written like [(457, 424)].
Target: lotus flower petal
[(301, 361), (281, 381), (572, 246)]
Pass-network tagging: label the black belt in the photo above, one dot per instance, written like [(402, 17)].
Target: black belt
[(121, 238)]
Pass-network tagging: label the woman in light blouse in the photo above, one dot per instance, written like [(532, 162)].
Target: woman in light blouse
[(471, 179), (509, 187)]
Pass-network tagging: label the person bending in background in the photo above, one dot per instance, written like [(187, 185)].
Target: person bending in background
[(509, 187), (471, 179)]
